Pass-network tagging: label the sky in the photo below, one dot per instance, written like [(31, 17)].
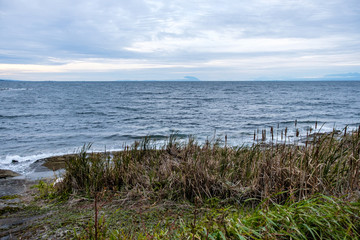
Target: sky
[(107, 40)]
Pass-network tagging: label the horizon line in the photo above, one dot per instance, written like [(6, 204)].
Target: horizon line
[(181, 80)]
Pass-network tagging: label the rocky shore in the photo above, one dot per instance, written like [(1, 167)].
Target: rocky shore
[(53, 163), (14, 183), (5, 173), (16, 193)]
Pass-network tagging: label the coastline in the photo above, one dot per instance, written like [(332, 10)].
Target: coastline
[(52, 167), (12, 183)]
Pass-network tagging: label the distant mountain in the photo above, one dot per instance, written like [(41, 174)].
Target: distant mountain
[(7, 80), (343, 76), (189, 78), (352, 76)]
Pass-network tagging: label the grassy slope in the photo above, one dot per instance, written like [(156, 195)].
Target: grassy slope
[(191, 191)]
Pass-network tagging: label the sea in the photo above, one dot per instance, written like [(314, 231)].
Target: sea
[(42, 119)]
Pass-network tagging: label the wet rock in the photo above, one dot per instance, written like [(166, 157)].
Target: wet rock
[(14, 161), (12, 186), (12, 226), (56, 162), (8, 208), (4, 173)]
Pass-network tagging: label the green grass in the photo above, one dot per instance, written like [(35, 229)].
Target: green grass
[(319, 217), (9, 197)]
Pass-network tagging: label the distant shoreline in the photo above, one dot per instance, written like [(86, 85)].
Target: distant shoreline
[(181, 80)]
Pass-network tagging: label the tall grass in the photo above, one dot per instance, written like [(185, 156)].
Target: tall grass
[(328, 165), (319, 217)]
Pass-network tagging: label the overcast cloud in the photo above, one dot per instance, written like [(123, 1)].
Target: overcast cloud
[(159, 40)]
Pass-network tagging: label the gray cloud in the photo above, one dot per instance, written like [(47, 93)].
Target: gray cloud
[(204, 37)]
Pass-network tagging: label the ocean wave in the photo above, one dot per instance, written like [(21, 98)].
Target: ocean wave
[(22, 164), (135, 137), (127, 108), (22, 116), (91, 113), (55, 118), (15, 89)]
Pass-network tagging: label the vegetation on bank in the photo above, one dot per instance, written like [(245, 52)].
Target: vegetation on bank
[(319, 217), (184, 190), (188, 171), (271, 191)]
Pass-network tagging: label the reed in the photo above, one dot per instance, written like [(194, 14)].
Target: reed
[(326, 164)]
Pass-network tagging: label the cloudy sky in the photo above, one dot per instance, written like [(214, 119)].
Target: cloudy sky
[(171, 39)]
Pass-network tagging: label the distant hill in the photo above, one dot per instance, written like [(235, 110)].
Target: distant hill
[(189, 78), (352, 76), (7, 80), (343, 76)]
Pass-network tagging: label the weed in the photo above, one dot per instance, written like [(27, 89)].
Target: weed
[(9, 197), (46, 190)]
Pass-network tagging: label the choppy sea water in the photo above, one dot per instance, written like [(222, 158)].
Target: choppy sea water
[(41, 119)]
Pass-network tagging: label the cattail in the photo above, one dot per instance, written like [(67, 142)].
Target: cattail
[(263, 135)]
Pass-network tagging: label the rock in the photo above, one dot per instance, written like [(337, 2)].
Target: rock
[(14, 161), (58, 162), (55, 163), (4, 173)]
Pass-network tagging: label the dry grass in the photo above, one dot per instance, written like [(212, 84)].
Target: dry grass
[(327, 164)]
